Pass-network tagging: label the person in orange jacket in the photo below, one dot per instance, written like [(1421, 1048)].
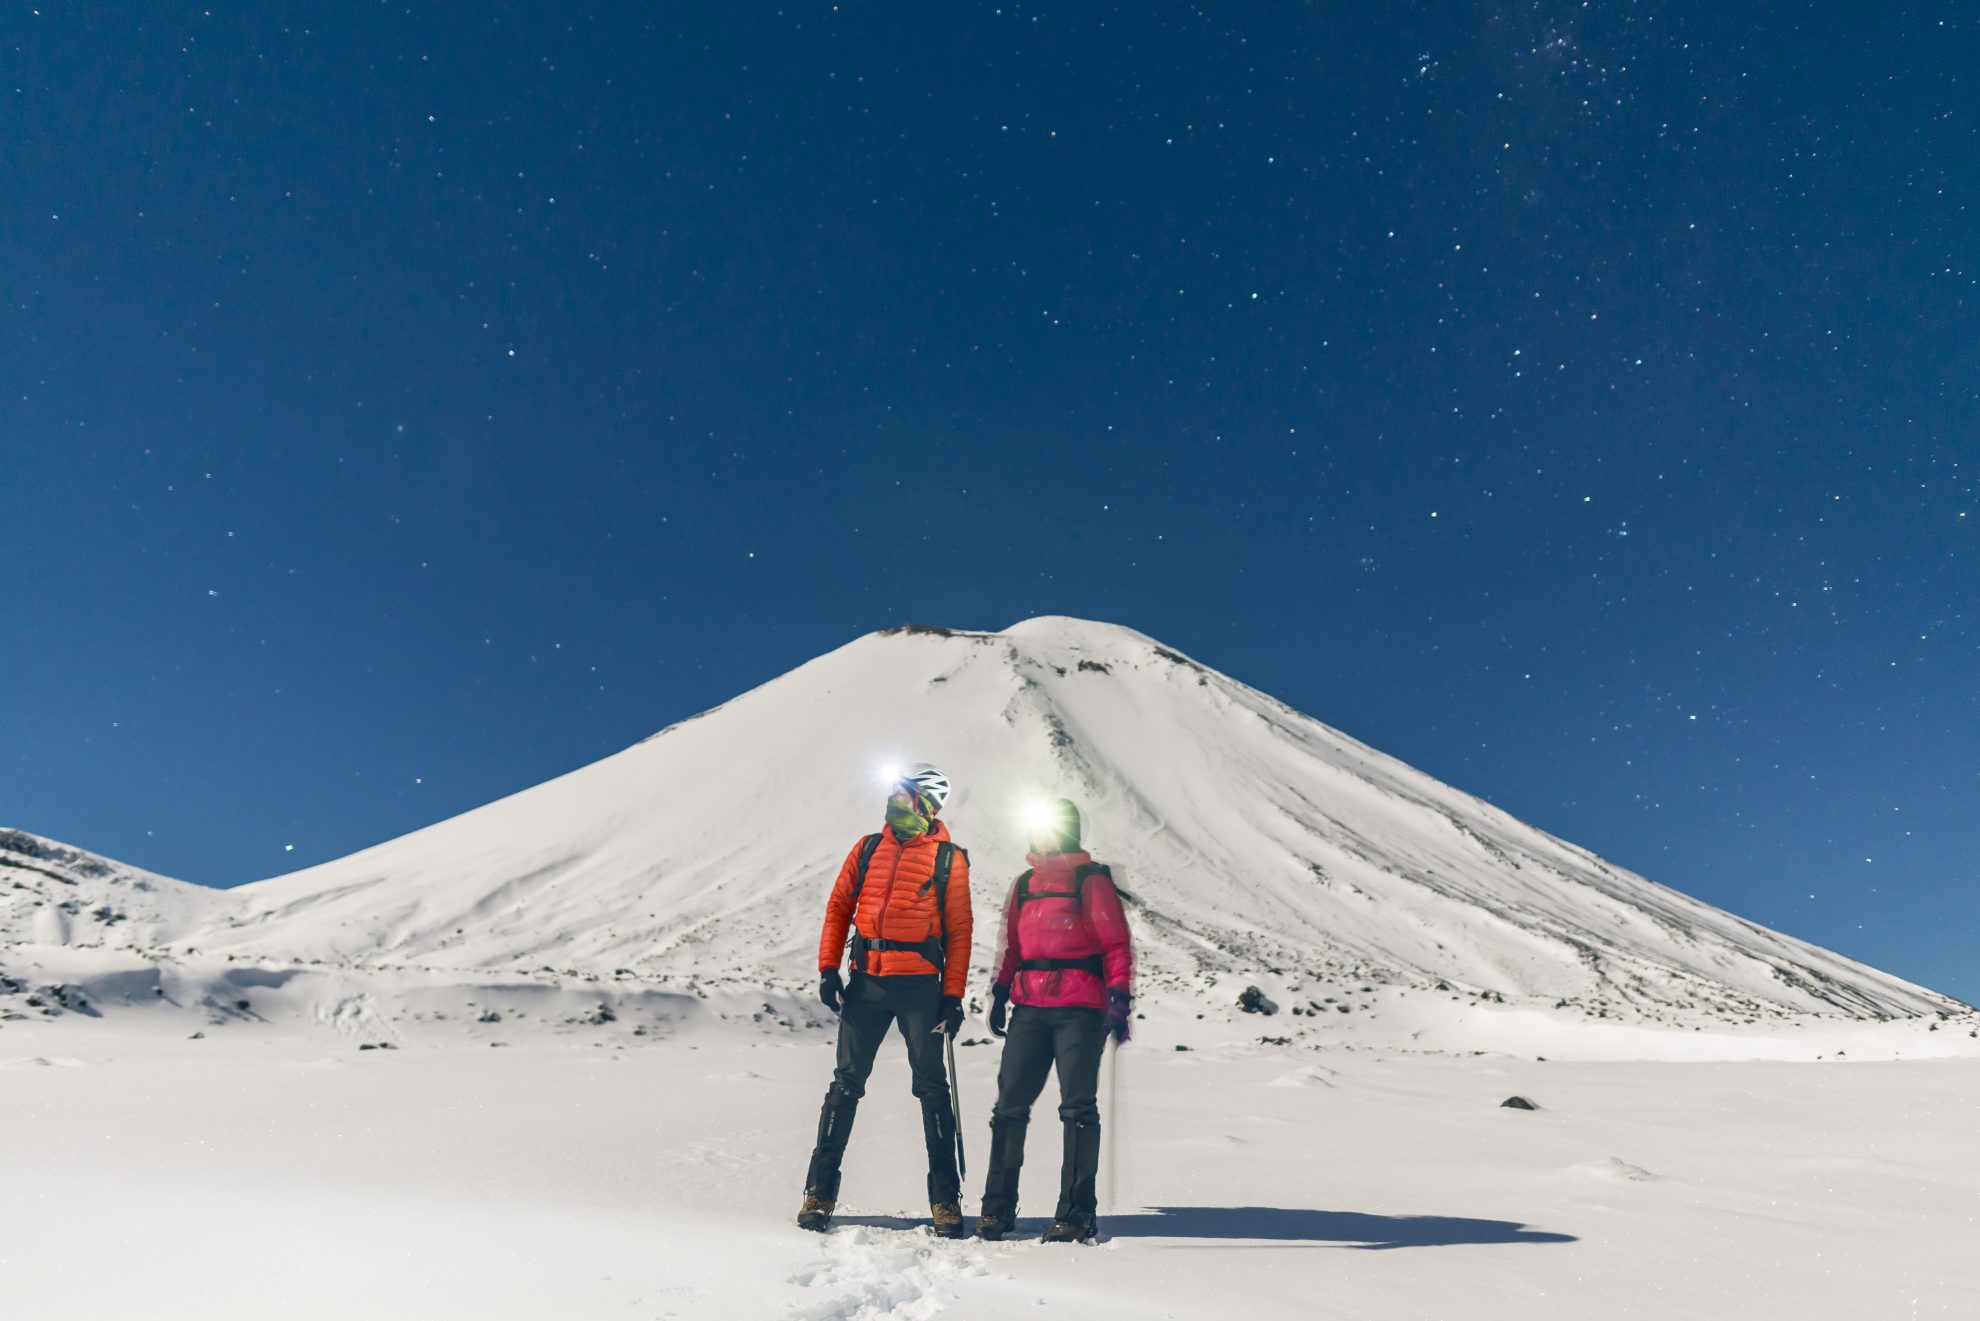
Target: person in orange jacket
[(904, 896)]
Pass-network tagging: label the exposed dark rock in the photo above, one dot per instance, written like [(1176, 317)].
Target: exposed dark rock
[(932, 631), (1175, 658), (1255, 1001), (1517, 1103), (21, 845)]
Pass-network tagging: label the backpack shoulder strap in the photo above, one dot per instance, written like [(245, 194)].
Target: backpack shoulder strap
[(867, 848), (1079, 879), (945, 861)]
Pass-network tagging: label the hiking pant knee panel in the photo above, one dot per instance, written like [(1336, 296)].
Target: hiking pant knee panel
[(1072, 1040), (872, 1005), (930, 1072), (1026, 1063), (1078, 1045)]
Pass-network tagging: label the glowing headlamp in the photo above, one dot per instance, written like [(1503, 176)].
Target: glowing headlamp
[(1037, 815)]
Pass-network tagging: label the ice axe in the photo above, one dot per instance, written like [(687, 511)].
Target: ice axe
[(955, 1104)]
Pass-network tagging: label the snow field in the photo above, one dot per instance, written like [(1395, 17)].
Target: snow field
[(249, 1177)]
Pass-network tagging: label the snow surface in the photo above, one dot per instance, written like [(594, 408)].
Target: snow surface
[(560, 1056), (262, 1173)]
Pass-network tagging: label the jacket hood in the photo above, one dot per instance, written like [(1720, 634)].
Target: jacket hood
[(1068, 862)]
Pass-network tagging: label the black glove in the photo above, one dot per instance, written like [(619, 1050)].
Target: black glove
[(1000, 1003), (1118, 1005), (952, 1015), (830, 992)]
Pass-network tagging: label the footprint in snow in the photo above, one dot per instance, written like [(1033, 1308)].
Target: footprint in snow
[(867, 1274)]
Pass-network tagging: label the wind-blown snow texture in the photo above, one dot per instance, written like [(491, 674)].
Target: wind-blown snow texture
[(1256, 845)]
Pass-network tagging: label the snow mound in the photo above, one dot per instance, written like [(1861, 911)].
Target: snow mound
[(1313, 1075), (1616, 1170)]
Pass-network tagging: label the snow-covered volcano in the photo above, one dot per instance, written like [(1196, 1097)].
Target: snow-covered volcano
[(1256, 845)]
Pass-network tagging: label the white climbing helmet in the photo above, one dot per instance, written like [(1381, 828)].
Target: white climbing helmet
[(929, 781)]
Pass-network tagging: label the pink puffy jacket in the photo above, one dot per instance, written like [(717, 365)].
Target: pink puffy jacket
[(1044, 921)]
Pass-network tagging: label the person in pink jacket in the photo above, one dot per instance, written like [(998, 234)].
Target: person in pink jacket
[(1066, 962)]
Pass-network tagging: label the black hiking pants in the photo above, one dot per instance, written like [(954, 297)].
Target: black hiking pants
[(1073, 1040), (872, 1005)]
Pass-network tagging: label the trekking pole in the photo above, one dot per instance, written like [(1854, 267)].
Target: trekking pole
[(1113, 1125), (955, 1105)]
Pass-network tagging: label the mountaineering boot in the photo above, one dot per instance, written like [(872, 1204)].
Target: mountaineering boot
[(816, 1214), (1070, 1231), (992, 1228), (948, 1220)]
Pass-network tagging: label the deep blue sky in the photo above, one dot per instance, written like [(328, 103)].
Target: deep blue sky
[(402, 405)]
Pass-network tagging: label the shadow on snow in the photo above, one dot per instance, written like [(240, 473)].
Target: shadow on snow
[(1280, 1224), (1288, 1225)]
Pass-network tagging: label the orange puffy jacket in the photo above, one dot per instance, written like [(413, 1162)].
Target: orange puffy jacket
[(897, 902)]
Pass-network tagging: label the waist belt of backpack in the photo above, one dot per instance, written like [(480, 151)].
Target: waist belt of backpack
[(930, 949), (1091, 963)]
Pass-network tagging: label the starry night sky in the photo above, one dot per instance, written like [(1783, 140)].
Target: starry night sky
[(401, 405)]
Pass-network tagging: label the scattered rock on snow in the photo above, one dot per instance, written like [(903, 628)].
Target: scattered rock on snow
[(1255, 1001), (1517, 1103)]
